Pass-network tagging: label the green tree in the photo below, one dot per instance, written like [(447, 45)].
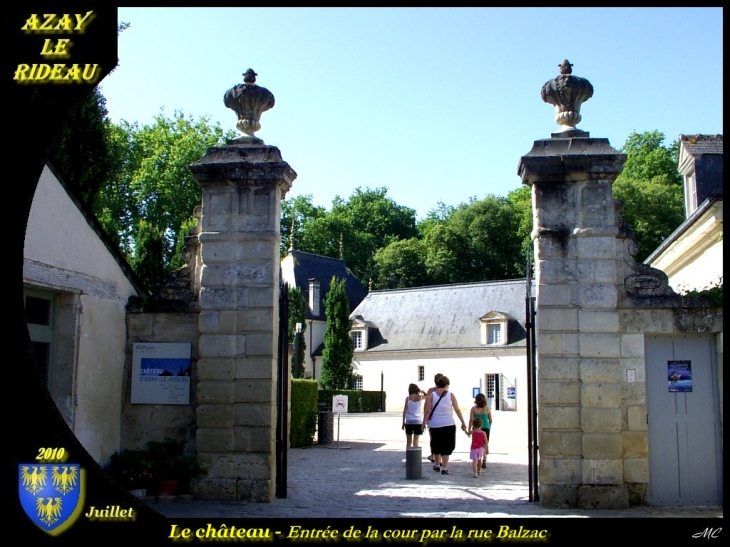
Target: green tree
[(401, 264), (297, 314), (338, 350), (83, 154), (147, 206), (650, 188), (297, 212)]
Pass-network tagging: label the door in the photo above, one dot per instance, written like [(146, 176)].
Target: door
[(685, 432)]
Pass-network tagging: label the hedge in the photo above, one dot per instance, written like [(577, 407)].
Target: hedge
[(303, 412), (357, 400)]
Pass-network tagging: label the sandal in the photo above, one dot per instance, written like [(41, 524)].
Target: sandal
[(431, 458), (444, 471), (436, 468)]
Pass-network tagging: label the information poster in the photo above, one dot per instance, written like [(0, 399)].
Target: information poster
[(679, 376), (161, 374)]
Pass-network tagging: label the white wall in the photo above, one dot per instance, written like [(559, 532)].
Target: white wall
[(64, 255), (464, 370)]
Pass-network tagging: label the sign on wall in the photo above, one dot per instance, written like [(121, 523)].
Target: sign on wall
[(161, 374), (679, 376)]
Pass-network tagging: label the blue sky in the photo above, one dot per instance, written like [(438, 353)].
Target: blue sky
[(436, 104)]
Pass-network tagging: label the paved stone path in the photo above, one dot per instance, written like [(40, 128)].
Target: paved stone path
[(364, 475)]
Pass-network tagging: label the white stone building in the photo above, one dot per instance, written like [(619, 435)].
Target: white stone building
[(75, 287), (692, 255), (471, 332)]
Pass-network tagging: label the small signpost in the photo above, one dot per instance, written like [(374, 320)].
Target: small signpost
[(339, 405)]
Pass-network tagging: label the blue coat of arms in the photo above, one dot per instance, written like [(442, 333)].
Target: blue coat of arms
[(52, 494)]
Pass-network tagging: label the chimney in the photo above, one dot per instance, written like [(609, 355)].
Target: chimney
[(314, 296)]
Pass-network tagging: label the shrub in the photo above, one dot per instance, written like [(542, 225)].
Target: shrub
[(303, 412), (357, 400)]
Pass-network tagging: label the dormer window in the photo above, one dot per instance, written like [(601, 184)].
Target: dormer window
[(359, 333), (494, 328)]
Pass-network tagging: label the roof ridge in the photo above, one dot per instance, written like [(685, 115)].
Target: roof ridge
[(450, 286)]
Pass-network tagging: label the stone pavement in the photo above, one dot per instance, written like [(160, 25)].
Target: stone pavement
[(364, 476)]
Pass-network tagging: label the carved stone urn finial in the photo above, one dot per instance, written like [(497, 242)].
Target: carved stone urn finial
[(249, 101), (567, 93)]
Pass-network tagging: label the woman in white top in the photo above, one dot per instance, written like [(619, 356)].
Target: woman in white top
[(413, 415), (439, 413)]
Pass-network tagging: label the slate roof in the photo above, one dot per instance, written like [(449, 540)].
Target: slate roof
[(697, 145), (440, 317), (311, 266)]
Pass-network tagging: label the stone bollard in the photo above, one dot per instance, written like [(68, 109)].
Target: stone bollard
[(414, 467)]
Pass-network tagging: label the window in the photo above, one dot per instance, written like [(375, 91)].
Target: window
[(421, 373), (358, 382), (494, 334), (39, 312), (356, 339), (494, 328)]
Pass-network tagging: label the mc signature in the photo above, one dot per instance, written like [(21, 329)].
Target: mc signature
[(709, 533)]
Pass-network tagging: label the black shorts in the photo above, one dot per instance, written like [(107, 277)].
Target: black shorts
[(486, 430), (413, 429), (443, 440)]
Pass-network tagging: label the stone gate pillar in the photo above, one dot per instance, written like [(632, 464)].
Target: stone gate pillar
[(577, 255), (243, 184)]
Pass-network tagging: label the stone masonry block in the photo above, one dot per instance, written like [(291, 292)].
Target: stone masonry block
[(254, 415), (215, 392), (561, 443), (601, 395), (259, 491), (637, 418), (596, 247), (222, 252), (255, 320), (254, 439), (214, 489), (558, 319), (600, 370), (214, 416), (209, 322), (550, 344), (597, 471), (222, 345), (636, 470), (560, 470), (656, 321), (256, 367), (218, 298), (559, 393), (592, 320), (559, 417), (214, 440), (216, 369), (227, 323), (183, 325), (602, 446), (633, 394), (553, 295), (632, 346), (261, 344), (570, 342), (637, 365), (598, 496), (254, 391), (599, 345), (558, 368), (263, 296), (237, 465), (635, 444), (595, 295), (601, 420), (558, 496), (605, 271)]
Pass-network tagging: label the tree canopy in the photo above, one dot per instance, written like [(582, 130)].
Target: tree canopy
[(147, 206), (650, 188)]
